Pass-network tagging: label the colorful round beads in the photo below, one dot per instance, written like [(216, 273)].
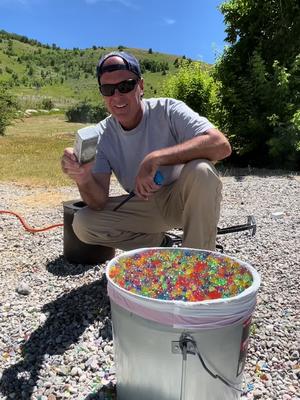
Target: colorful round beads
[(180, 274)]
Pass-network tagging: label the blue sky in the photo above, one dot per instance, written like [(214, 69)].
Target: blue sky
[(193, 28)]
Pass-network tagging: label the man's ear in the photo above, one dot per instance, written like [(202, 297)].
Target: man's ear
[(141, 85)]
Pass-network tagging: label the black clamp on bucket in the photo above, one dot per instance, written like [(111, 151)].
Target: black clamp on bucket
[(75, 251)]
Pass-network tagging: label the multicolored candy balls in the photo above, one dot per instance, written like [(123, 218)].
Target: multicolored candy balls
[(180, 274)]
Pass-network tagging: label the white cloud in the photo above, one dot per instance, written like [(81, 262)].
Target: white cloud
[(169, 21)]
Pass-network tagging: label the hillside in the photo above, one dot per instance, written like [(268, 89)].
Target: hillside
[(33, 70)]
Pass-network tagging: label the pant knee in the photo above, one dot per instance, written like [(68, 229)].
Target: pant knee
[(201, 171), (80, 225)]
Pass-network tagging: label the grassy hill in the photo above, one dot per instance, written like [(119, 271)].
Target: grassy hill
[(31, 149), (34, 71)]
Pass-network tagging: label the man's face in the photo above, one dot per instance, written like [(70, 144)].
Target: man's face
[(125, 107)]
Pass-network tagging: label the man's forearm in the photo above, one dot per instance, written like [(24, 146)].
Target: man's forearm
[(92, 193), (213, 146)]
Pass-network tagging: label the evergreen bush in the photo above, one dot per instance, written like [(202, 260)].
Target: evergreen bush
[(86, 112), (8, 108)]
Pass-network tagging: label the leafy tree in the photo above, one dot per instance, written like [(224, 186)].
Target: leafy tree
[(30, 71), (194, 86), (15, 78), (8, 108), (10, 51), (24, 80), (259, 81)]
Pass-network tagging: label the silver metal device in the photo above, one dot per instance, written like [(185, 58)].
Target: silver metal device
[(85, 144)]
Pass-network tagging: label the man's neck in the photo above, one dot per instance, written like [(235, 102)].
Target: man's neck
[(135, 121)]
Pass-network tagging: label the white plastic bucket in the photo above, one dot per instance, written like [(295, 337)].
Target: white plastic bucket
[(180, 350)]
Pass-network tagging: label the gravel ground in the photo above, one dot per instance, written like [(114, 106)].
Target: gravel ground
[(55, 330)]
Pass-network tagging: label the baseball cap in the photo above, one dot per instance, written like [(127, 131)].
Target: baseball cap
[(131, 64)]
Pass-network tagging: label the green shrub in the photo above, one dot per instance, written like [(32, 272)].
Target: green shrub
[(47, 104), (8, 108), (86, 112), (194, 86)]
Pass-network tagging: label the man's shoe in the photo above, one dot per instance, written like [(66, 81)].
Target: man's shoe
[(167, 241)]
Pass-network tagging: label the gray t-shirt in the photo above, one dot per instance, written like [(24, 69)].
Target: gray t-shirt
[(166, 122)]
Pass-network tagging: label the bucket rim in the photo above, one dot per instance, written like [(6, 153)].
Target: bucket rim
[(249, 291)]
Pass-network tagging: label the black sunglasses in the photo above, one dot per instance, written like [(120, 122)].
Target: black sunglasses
[(108, 89)]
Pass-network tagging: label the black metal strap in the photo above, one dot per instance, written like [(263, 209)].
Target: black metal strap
[(250, 225)]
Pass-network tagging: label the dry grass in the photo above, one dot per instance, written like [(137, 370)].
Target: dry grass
[(42, 126), (30, 151)]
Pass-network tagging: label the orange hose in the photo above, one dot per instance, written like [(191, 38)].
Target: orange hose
[(26, 226)]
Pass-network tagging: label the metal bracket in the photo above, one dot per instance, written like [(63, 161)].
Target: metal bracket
[(176, 347)]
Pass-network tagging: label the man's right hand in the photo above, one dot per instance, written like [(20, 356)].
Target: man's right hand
[(80, 173)]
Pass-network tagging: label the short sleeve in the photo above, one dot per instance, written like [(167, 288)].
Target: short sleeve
[(186, 123)]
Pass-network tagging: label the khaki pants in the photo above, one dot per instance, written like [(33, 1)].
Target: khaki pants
[(192, 203)]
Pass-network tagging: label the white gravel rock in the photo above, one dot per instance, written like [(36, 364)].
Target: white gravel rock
[(56, 341), (23, 288)]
